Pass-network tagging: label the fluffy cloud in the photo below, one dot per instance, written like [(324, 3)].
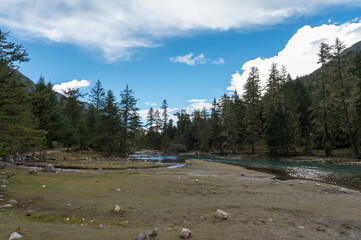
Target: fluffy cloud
[(198, 104), (150, 104), (118, 28), (299, 56), (192, 61), (75, 84)]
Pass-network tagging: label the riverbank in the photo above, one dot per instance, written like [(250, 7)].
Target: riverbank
[(72, 205)]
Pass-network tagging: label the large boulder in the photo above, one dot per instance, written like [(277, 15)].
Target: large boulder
[(150, 235), (220, 214), (49, 168), (2, 165)]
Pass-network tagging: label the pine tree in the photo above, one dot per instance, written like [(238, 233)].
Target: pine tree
[(338, 48), (97, 94), (18, 132), (252, 96), (164, 107), (129, 116)]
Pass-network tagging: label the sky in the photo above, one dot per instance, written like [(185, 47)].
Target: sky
[(187, 52)]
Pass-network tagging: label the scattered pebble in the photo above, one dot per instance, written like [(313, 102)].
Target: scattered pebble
[(98, 180), (101, 226), (300, 182), (15, 236), (196, 180), (149, 235), (317, 184), (6, 206), (44, 186), (185, 233), (32, 171), (3, 186), (301, 227), (270, 220), (117, 208), (13, 201), (118, 190), (220, 214)]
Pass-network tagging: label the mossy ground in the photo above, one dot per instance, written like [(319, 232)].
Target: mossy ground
[(73, 204)]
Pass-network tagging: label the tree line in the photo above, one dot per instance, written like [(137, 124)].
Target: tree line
[(288, 116)]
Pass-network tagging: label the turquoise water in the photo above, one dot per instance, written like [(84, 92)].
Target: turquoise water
[(344, 175)]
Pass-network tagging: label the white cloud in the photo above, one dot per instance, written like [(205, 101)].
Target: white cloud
[(198, 104), (189, 59), (150, 104), (118, 28), (299, 56), (192, 61), (220, 61), (75, 84)]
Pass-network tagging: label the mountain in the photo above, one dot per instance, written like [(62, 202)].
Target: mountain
[(309, 77)]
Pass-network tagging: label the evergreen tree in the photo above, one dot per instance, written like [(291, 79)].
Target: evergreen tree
[(129, 116), (252, 96), (97, 94), (338, 48), (164, 107), (17, 125)]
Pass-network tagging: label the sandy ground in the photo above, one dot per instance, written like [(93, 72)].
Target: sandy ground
[(73, 204)]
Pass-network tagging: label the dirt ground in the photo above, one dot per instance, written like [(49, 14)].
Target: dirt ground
[(72, 205)]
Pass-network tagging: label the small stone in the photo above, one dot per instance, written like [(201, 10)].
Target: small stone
[(4, 181), (13, 201), (98, 180), (150, 235), (2, 165), (44, 186), (49, 168), (68, 204), (6, 206), (118, 190), (271, 220), (117, 208), (32, 171), (301, 227), (242, 174), (185, 233), (300, 182), (3, 186), (15, 236), (220, 214), (196, 180), (317, 184), (291, 184), (101, 226)]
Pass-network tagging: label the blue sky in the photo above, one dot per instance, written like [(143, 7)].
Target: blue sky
[(124, 47)]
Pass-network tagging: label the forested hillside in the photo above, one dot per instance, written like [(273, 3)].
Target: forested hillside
[(289, 116)]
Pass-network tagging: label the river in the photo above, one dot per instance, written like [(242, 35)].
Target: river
[(343, 175)]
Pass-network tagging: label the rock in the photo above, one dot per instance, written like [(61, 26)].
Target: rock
[(2, 165), (101, 226), (196, 180), (49, 168), (32, 171), (15, 236), (3, 186), (118, 190), (150, 235), (4, 181), (185, 233), (13, 201), (43, 186), (300, 182), (6, 206), (301, 227), (317, 184), (220, 214), (116, 208)]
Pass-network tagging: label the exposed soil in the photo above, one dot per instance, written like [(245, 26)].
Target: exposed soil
[(73, 204)]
